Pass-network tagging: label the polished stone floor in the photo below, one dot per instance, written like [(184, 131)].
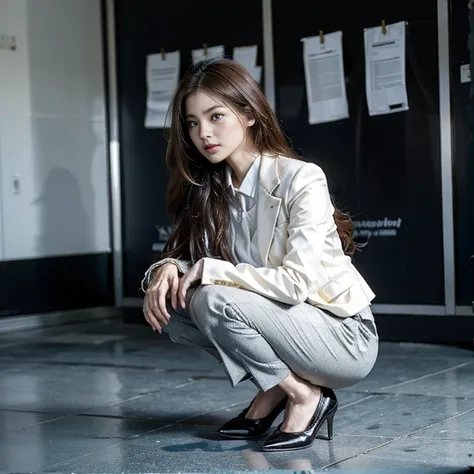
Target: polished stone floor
[(103, 397)]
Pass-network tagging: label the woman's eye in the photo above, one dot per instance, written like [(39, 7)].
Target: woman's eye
[(192, 124), (217, 116)]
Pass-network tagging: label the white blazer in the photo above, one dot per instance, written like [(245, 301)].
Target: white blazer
[(298, 244)]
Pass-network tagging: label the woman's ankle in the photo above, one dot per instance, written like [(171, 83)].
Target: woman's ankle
[(275, 392), (265, 402), (298, 390)]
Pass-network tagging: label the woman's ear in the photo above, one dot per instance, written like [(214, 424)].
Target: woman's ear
[(249, 116)]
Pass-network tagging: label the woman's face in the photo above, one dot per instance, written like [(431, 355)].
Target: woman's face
[(215, 129)]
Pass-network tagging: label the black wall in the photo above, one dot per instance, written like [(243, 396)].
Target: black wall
[(383, 166), (463, 147), (380, 166), (144, 27), (55, 284)]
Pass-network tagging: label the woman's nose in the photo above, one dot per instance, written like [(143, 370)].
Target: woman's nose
[(205, 132)]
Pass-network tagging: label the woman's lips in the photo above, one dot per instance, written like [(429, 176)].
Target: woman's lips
[(211, 148)]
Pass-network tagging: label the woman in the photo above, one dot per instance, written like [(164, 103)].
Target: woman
[(258, 270)]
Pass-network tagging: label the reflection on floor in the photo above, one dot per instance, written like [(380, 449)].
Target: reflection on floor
[(102, 397)]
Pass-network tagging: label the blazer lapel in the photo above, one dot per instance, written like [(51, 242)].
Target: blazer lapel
[(268, 205)]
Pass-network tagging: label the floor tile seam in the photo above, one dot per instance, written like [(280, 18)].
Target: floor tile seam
[(431, 438), (453, 417), (371, 436), (149, 392), (232, 405), (107, 415), (420, 429), (106, 366), (119, 442), (111, 445), (419, 462), (187, 418), (6, 345), (409, 435), (365, 452), (15, 430), (376, 393), (181, 420), (122, 417), (18, 410), (37, 412), (25, 408), (116, 417), (358, 454), (80, 456), (436, 357), (108, 405), (355, 402), (126, 400), (178, 421), (187, 384), (85, 364), (122, 441), (169, 370), (416, 379), (405, 436), (428, 395)]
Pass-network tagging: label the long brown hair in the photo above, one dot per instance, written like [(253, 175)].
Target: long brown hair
[(198, 197)]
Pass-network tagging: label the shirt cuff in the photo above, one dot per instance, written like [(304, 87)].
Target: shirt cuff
[(180, 264)]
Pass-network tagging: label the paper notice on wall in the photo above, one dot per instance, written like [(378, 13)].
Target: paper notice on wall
[(385, 69), (162, 75), (247, 57), (214, 52), (324, 74)]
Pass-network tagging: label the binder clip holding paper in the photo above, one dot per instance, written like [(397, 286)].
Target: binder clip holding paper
[(384, 28), (163, 54), (321, 37), (204, 47)]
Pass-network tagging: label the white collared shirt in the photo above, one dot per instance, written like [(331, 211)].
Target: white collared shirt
[(243, 218)]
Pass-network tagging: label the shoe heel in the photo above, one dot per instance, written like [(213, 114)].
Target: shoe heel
[(330, 421)]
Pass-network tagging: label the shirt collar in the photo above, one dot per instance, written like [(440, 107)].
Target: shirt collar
[(250, 183)]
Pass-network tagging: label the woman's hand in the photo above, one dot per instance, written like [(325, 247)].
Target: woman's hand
[(164, 285), (193, 275)]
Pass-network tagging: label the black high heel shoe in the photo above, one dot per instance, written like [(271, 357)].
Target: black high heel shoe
[(325, 411), (245, 428)]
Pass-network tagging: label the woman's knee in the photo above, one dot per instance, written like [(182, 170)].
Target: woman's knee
[(202, 297), (201, 306), (209, 305)]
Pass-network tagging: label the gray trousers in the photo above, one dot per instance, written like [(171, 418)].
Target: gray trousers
[(264, 340)]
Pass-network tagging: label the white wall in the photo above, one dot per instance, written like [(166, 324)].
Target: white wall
[(56, 143), (15, 129)]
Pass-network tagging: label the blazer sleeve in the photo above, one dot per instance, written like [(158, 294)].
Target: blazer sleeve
[(310, 217)]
